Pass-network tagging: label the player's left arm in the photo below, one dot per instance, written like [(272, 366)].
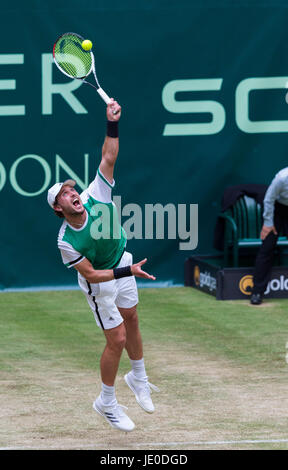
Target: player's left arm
[(110, 147), (95, 276)]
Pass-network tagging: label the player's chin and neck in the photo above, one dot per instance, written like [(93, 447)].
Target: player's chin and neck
[(75, 216)]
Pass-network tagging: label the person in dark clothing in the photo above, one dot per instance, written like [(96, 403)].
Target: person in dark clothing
[(275, 220)]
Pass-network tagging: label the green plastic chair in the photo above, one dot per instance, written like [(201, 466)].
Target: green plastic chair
[(243, 223)]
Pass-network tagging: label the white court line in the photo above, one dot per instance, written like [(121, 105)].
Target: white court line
[(170, 444), (209, 443)]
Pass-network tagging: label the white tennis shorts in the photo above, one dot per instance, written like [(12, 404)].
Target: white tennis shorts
[(105, 298)]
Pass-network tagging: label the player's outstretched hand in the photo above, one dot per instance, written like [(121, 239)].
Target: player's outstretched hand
[(113, 111), (136, 270)]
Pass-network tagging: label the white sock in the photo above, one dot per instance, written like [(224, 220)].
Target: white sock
[(138, 368), (108, 396)]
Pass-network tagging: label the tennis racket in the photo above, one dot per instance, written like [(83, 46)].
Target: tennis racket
[(75, 62)]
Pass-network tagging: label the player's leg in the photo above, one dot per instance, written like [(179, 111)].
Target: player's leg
[(133, 345), (108, 318), (126, 301), (109, 362), (137, 378), (106, 404)]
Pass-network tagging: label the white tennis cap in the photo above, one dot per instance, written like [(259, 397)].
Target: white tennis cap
[(54, 191)]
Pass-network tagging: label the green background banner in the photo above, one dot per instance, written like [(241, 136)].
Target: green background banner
[(202, 87)]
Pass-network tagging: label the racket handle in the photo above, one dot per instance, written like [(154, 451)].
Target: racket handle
[(104, 95)]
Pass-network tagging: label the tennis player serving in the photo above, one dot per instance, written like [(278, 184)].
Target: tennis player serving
[(92, 241)]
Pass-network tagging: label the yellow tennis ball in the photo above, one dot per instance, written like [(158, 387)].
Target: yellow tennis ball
[(87, 45)]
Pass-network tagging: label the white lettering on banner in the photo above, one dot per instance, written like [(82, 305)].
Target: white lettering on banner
[(216, 109), (280, 284), (2, 176), (12, 110), (44, 165), (213, 107), (61, 164), (206, 279), (49, 89), (44, 168), (169, 101), (242, 105), (155, 218), (64, 89)]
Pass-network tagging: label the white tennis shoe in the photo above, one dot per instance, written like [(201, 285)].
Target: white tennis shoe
[(141, 389), (114, 414)]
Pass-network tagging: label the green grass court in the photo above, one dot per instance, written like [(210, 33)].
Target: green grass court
[(220, 366)]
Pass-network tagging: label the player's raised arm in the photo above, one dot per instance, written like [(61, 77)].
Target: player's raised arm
[(110, 147)]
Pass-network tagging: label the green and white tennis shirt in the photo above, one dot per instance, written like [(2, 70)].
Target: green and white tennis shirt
[(101, 239)]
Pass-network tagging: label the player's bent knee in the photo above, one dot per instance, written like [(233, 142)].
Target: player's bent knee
[(120, 342)]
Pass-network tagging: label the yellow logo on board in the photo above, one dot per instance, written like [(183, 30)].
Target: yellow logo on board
[(246, 284)]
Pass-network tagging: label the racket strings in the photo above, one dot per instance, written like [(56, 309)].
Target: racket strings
[(71, 57)]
